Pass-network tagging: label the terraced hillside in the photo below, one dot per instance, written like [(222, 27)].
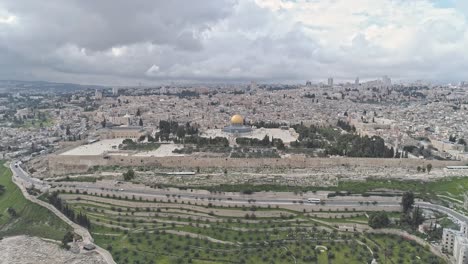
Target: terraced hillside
[(173, 230)]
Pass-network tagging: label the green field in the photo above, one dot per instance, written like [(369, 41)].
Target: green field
[(170, 231), (37, 123), (31, 219)]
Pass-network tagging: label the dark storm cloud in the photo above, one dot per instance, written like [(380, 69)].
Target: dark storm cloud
[(119, 41), (98, 25)]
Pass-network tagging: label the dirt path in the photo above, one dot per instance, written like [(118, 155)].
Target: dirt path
[(193, 235)]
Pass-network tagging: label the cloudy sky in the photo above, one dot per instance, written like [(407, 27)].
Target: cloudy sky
[(150, 41)]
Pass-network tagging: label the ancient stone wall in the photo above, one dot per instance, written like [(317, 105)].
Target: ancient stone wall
[(65, 164)]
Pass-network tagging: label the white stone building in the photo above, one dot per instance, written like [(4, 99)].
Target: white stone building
[(456, 243)]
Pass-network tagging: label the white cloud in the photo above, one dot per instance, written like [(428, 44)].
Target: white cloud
[(153, 70), (8, 19), (236, 40)]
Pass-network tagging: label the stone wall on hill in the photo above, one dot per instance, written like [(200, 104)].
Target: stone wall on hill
[(66, 164)]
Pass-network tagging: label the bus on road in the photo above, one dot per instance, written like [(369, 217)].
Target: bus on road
[(313, 200)]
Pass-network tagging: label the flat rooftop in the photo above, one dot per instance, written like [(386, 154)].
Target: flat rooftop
[(287, 136), (111, 145), (96, 148)]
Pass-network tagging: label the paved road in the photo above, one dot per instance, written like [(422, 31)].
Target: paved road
[(20, 177), (155, 193), (25, 177), (162, 194), (435, 207)]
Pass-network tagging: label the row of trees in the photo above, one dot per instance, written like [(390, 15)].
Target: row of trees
[(315, 132), (335, 143), (80, 219), (265, 142), (83, 220), (346, 126), (352, 145), (167, 128), (202, 142), (428, 168)]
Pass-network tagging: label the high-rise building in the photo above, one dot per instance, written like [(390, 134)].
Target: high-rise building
[(356, 82), (98, 95), (253, 86), (456, 243), (386, 80), (308, 83), (115, 91), (330, 81)]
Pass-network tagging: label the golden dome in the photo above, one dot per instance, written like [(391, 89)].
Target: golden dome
[(237, 120)]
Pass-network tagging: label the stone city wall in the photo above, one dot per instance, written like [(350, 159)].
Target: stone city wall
[(66, 164)]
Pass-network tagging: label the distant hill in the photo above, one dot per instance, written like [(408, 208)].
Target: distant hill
[(14, 86)]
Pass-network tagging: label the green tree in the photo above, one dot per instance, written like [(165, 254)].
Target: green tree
[(68, 237), (129, 175), (429, 167), (2, 189), (12, 212), (379, 220), (128, 141), (453, 138), (417, 218), (140, 123), (266, 141), (180, 132), (407, 201)]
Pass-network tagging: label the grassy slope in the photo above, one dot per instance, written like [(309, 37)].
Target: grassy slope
[(32, 219)]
